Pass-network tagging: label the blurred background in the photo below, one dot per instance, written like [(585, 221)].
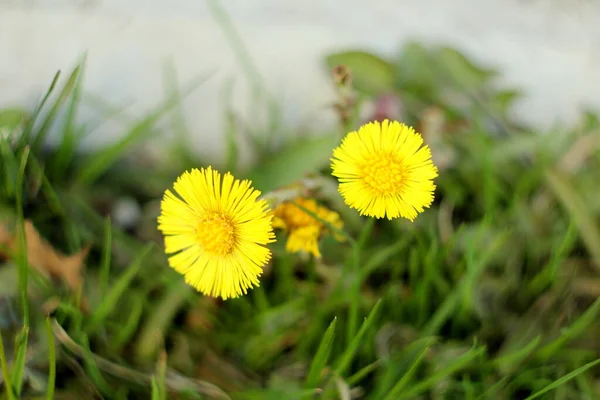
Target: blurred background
[(492, 293), (549, 49)]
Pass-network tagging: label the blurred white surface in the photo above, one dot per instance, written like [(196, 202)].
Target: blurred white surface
[(548, 48)]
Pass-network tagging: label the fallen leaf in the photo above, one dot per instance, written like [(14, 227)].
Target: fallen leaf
[(44, 258)]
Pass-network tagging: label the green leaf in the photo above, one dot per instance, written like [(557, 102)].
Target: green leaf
[(370, 74), (416, 74), (294, 162), (352, 350), (462, 71), (322, 356), (564, 379), (504, 99)]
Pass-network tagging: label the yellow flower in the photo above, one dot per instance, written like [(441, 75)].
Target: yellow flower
[(217, 231), (385, 171), (303, 229)]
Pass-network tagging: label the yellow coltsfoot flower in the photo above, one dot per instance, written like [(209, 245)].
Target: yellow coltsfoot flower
[(216, 230), (384, 170), (304, 231)]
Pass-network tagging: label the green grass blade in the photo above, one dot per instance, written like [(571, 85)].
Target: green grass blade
[(161, 376), (400, 386), (348, 356), (42, 132), (382, 256), (129, 328), (232, 154), (460, 363), (548, 275), (71, 134), (564, 379), (10, 168), (363, 372), (355, 284), (12, 120), (586, 223), (92, 368), (491, 392), (259, 88), (178, 121), (106, 256), (103, 159), (155, 390), (10, 394), (21, 239), (18, 372), (51, 361), (462, 291), (576, 329), (151, 336), (47, 190), (322, 356), (512, 360), (109, 302), (26, 137)]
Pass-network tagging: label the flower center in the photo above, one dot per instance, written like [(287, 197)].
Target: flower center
[(384, 174), (216, 233)]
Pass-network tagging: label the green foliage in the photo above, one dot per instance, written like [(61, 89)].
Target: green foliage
[(294, 162), (491, 293), (371, 74)]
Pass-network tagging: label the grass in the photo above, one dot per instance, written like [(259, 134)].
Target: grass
[(491, 293)]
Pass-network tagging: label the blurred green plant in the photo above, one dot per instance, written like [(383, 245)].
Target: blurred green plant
[(492, 293)]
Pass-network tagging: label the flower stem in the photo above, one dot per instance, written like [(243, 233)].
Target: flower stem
[(357, 246), (354, 293)]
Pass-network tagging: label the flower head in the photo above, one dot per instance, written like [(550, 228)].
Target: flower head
[(385, 171), (303, 229), (216, 230)]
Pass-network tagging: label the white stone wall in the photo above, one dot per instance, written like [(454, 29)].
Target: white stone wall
[(549, 48)]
